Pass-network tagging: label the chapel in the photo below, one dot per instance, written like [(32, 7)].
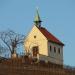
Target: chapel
[(42, 44)]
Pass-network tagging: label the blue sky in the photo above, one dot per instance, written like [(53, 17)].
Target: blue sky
[(58, 17)]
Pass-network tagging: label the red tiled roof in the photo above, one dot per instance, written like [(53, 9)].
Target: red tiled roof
[(49, 36)]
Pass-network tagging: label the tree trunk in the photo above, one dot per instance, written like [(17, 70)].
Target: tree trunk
[(13, 53)]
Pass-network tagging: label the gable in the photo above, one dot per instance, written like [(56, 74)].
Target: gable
[(35, 32)]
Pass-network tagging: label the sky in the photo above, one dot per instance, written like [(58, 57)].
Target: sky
[(58, 16)]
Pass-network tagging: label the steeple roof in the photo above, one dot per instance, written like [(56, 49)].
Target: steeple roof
[(37, 17), (37, 20)]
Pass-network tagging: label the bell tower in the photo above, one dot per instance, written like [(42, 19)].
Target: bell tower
[(37, 20)]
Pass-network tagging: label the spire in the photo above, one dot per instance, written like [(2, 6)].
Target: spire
[(37, 20)]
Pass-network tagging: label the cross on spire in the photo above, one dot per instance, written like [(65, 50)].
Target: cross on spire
[(37, 20)]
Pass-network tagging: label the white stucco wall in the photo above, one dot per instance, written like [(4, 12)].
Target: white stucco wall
[(39, 41), (55, 57)]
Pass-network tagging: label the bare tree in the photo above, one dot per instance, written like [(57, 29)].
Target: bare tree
[(11, 40), (2, 49)]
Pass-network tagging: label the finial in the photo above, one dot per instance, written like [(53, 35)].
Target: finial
[(37, 8)]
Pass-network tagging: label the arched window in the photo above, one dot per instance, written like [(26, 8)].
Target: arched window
[(50, 48), (59, 50), (54, 49)]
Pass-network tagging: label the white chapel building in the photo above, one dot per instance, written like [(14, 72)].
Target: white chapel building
[(43, 45)]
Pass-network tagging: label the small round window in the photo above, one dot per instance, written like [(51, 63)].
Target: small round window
[(34, 36)]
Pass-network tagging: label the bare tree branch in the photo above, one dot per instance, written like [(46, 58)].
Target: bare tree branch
[(11, 39), (2, 49)]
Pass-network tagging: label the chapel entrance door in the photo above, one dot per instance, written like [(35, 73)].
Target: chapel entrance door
[(35, 51)]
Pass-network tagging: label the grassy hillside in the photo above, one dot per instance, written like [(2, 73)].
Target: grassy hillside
[(25, 66)]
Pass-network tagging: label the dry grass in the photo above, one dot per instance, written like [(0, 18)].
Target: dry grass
[(25, 66)]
